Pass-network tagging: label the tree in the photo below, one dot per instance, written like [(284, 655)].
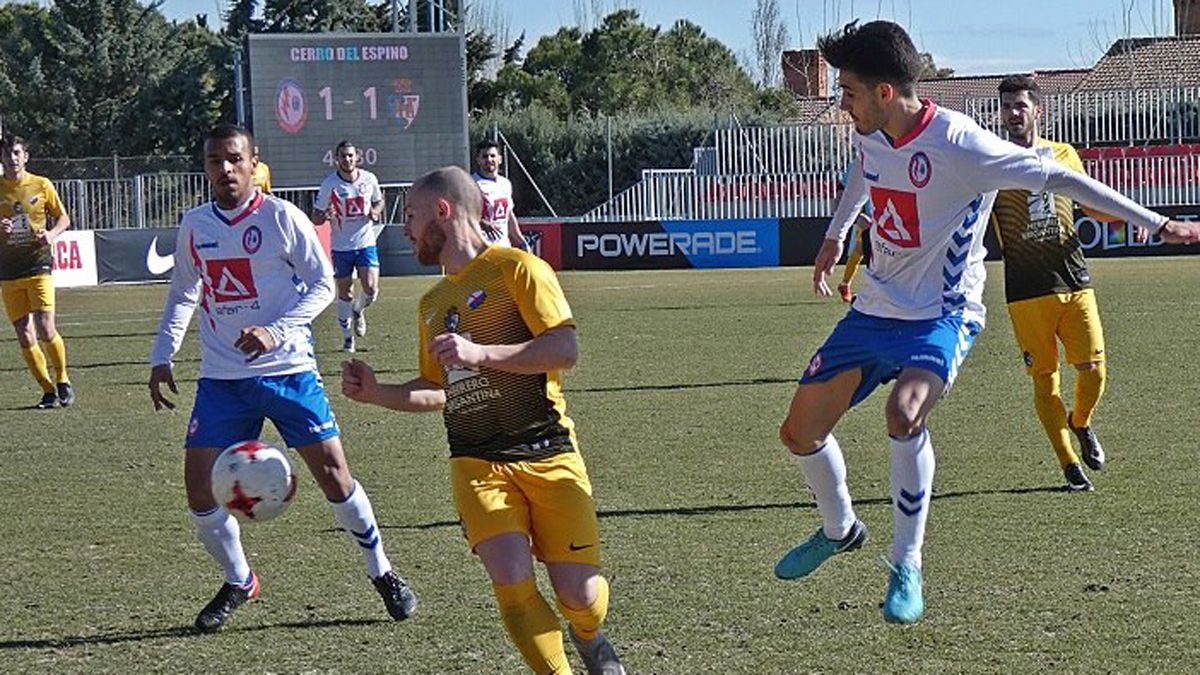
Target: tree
[(770, 39), (623, 66), (930, 70)]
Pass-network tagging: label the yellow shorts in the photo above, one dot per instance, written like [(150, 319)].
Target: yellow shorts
[(1070, 317), (550, 500), (24, 296)]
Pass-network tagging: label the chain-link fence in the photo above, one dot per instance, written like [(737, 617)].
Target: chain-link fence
[(111, 168)]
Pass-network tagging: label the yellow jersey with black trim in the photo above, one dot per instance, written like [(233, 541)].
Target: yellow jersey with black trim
[(503, 296), (262, 177), (27, 202), (1042, 252)]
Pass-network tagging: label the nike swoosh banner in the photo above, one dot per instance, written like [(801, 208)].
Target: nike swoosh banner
[(126, 255)]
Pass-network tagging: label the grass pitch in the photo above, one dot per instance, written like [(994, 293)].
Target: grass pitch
[(682, 381)]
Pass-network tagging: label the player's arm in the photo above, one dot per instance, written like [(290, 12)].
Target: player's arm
[(55, 210), (321, 204), (377, 203), (309, 263), (1084, 189), (417, 395), (555, 349), (844, 217), (177, 314), (515, 236)]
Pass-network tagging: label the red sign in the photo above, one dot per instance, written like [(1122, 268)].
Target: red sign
[(896, 217), (545, 241), (231, 280)]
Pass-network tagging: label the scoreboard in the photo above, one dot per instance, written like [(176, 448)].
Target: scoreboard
[(401, 98)]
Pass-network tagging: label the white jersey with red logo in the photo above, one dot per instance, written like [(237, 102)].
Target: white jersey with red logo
[(497, 204), (259, 265), (350, 216), (931, 195)]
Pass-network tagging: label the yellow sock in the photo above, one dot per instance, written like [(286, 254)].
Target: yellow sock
[(532, 626), (36, 362), (1089, 387), (57, 351), (1047, 398), (586, 622)]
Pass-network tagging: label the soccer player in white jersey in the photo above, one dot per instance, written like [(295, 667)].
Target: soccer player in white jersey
[(351, 201), (254, 265), (930, 175), (499, 224)]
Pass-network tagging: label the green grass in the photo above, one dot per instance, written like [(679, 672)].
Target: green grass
[(682, 381)]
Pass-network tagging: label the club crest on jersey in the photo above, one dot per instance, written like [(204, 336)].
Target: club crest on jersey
[(476, 298), (920, 170), (451, 320), (252, 239), (1028, 360)]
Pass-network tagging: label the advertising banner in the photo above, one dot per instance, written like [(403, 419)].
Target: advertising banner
[(545, 241), (671, 244), (74, 257)]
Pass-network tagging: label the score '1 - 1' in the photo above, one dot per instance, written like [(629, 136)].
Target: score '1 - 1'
[(326, 94)]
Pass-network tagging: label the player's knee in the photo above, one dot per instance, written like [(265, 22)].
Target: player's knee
[(587, 605), (795, 442), (1046, 385), (904, 419)]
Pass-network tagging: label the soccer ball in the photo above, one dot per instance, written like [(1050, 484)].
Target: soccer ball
[(253, 481)]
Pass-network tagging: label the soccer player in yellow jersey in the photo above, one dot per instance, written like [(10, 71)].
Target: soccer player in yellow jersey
[(262, 174), (27, 203), (860, 241), (495, 334), (1049, 291)]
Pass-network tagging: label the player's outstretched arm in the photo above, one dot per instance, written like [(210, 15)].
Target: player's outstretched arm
[(555, 349), (1180, 232), (418, 395), (160, 375)]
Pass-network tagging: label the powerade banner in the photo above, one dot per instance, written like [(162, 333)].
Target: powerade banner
[(671, 244)]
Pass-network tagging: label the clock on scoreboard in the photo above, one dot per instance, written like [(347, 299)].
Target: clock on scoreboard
[(401, 98)]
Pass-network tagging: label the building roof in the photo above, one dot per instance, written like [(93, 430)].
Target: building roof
[(953, 92), (1147, 63)]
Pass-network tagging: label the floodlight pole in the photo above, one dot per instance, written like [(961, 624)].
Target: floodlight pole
[(239, 104)]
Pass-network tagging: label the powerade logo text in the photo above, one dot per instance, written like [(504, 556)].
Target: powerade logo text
[(657, 244)]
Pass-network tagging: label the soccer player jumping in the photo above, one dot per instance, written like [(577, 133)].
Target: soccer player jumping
[(931, 176)]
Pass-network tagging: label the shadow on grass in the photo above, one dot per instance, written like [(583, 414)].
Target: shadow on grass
[(741, 508), (121, 637), (695, 385)]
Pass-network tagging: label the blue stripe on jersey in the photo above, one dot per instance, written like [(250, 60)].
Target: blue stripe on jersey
[(953, 299)]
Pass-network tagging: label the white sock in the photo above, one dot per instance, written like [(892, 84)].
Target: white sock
[(825, 474), (345, 311), (356, 517), (912, 489), (363, 301), (222, 538)]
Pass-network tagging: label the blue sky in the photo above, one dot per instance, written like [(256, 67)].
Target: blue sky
[(971, 36)]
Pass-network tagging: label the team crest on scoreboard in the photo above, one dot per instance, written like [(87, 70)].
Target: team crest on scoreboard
[(404, 108), (291, 112), (920, 170)]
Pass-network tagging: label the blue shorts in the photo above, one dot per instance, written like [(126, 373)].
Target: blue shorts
[(881, 348), (228, 411), (344, 262)]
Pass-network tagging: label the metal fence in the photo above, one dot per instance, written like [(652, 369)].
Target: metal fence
[(159, 200), (1108, 117), (684, 194), (775, 150)]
